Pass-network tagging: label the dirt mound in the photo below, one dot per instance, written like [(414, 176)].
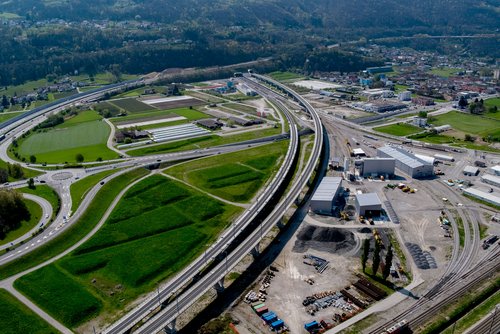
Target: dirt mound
[(324, 239)]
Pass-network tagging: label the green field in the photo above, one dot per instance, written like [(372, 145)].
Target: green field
[(202, 142), (399, 129), (86, 134), (46, 192), (5, 116), (36, 214), (241, 107), (52, 288), (442, 139), (79, 189), (17, 318), (445, 71), (467, 123), (285, 76), (490, 103), (400, 88), (189, 114), (235, 176), (204, 97), (131, 105), (85, 224), (136, 248)]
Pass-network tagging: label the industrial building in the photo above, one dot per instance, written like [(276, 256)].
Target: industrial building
[(471, 171), (368, 205), (484, 196), (326, 194), (377, 166), (491, 179), (496, 170), (420, 122), (407, 162), (443, 157), (404, 96)]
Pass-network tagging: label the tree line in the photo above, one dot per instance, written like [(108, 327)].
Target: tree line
[(13, 211)]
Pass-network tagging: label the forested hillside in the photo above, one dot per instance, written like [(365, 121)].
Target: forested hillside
[(56, 37)]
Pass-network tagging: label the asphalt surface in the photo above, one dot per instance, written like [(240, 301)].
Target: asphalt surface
[(44, 220)]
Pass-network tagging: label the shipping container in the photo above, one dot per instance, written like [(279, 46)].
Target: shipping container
[(311, 325), (277, 324), (255, 307), (261, 310)]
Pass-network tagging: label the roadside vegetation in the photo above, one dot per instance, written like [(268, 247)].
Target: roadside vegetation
[(13, 211), (47, 193), (14, 172), (80, 188), (135, 248), (460, 308), (235, 176), (78, 230), (34, 213), (17, 318), (399, 129)]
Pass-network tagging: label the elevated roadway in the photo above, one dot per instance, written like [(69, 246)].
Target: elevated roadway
[(167, 316), (220, 246)]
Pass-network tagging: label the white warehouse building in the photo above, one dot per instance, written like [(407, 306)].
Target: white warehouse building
[(496, 170), (377, 166), (491, 179), (325, 195), (406, 162), (484, 196)]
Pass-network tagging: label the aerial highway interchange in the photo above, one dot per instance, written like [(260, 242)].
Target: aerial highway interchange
[(468, 265)]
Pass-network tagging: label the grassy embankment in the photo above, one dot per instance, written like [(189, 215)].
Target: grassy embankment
[(114, 267), (17, 318), (235, 176), (48, 193), (80, 188), (78, 230)]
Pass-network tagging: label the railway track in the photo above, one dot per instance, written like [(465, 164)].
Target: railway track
[(461, 264)]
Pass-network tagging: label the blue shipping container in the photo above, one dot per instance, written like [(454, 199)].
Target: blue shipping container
[(311, 325), (277, 324)]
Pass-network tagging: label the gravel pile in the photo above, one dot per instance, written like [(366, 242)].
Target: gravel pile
[(324, 239)]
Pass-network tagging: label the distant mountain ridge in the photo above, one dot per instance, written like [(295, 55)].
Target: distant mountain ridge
[(442, 15)]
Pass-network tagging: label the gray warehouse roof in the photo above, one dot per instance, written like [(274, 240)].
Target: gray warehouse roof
[(369, 199), (327, 189), (471, 170), (403, 156), (489, 197)]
